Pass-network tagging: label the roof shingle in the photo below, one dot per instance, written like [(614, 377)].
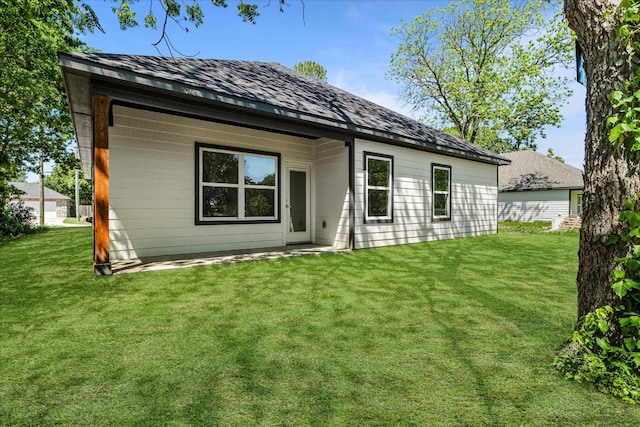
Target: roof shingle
[(32, 191), (283, 88)]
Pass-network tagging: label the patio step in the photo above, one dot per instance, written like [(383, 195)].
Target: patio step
[(571, 222)]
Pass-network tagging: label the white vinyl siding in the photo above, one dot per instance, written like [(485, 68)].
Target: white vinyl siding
[(473, 198), (332, 193), (529, 206), (153, 184)]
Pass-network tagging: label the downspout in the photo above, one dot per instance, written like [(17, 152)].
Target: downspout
[(497, 196), (352, 194)]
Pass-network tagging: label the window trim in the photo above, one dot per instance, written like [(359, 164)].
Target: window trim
[(434, 217), (579, 203), (377, 219), (200, 220)]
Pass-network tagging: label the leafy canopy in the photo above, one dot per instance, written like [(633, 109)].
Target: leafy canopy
[(180, 12), (553, 155), (483, 70), (63, 180), (33, 113), (312, 69), (34, 119), (624, 122)]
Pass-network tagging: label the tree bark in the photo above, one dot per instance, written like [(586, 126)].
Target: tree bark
[(610, 177)]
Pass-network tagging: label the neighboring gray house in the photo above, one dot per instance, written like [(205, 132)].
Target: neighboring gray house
[(55, 204), (191, 155), (535, 187)]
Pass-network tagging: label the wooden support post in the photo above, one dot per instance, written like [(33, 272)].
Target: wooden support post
[(101, 263)]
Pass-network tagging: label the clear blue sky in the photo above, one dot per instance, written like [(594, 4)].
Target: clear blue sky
[(350, 38)]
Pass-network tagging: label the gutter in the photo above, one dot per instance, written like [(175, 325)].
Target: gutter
[(522, 190)]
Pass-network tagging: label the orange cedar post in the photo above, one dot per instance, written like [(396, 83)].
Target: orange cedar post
[(101, 264)]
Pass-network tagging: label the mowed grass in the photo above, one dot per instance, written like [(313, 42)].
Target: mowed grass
[(450, 333)]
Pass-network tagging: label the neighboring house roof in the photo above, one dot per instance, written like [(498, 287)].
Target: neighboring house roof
[(32, 192), (530, 170), (263, 87)]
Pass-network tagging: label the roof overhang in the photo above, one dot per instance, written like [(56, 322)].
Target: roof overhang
[(84, 78), (78, 88)]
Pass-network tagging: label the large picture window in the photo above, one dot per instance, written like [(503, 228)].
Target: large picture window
[(236, 186), (378, 188), (441, 189)]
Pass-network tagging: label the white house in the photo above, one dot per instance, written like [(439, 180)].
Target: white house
[(192, 155), (535, 187)]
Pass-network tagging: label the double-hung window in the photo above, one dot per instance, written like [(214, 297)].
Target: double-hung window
[(441, 189), (378, 188), (236, 186)]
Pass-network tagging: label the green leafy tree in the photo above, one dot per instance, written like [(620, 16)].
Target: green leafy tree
[(34, 119), (554, 156), (477, 67), (63, 180), (312, 69), (33, 114), (485, 137)]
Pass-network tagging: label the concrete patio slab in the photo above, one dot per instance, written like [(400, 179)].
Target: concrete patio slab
[(222, 257)]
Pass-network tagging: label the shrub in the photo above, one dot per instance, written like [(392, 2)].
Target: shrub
[(16, 219), (590, 357)]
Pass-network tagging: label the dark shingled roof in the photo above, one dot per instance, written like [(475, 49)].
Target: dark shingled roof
[(530, 170), (285, 90), (32, 192)]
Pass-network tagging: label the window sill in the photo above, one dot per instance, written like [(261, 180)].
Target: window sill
[(440, 219), (237, 221), (378, 221)]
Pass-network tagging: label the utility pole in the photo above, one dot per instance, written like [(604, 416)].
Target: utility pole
[(77, 198)]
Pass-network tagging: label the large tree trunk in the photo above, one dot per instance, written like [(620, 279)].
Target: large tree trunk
[(610, 177)]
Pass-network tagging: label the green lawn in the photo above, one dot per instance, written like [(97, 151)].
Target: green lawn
[(452, 333)]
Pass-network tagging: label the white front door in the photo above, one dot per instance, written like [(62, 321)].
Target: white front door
[(297, 204)]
